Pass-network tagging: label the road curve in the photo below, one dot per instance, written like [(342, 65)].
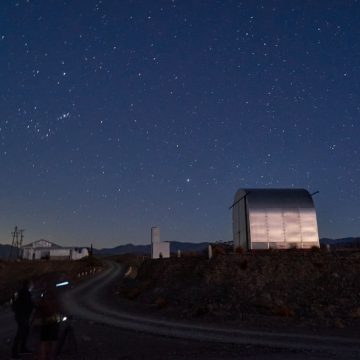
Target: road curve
[(85, 301)]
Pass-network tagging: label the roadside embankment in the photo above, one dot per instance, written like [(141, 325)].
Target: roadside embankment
[(274, 288)]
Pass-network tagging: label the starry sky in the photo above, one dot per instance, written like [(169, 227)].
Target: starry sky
[(119, 115)]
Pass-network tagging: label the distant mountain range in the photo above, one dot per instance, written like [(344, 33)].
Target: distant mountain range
[(346, 242), (5, 251), (182, 246), (145, 249)]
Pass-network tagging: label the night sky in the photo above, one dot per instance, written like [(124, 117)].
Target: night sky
[(120, 115)]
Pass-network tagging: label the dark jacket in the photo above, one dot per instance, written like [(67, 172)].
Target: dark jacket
[(23, 304)]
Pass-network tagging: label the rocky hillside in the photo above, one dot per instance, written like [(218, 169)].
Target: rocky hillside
[(306, 288)]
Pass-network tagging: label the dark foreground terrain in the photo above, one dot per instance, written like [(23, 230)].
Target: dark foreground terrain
[(312, 289), (103, 330), (98, 341), (162, 310)]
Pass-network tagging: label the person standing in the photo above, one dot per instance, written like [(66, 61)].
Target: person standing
[(22, 306)]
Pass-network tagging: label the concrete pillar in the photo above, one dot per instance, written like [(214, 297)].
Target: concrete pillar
[(210, 251)]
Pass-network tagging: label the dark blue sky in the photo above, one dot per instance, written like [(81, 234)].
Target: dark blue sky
[(116, 116)]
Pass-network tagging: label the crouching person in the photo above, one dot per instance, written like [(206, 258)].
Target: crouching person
[(48, 312)]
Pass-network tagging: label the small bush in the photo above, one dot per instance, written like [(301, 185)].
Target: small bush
[(200, 310), (243, 265), (239, 250), (132, 294), (161, 302), (190, 254), (218, 251), (91, 261), (284, 311), (355, 313)]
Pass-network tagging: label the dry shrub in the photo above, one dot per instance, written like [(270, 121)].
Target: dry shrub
[(190, 254), (239, 250), (200, 310), (91, 261), (284, 311), (218, 251), (161, 302), (131, 272), (133, 293), (339, 324), (244, 264), (355, 313), (318, 264)]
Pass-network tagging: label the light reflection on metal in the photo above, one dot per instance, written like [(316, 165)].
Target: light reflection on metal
[(274, 218)]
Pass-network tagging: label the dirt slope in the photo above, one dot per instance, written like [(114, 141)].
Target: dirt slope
[(306, 289)]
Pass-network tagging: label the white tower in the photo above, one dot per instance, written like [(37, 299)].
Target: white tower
[(155, 234), (158, 249)]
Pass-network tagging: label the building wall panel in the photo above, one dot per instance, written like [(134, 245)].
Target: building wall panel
[(258, 231), (275, 225), (278, 217)]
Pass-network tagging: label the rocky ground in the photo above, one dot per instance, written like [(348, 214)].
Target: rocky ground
[(314, 290), (13, 273)]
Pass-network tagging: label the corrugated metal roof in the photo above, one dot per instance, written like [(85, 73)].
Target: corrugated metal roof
[(275, 198), (33, 245)]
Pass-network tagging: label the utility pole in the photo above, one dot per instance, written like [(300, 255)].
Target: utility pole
[(20, 242), (16, 242), (15, 236)]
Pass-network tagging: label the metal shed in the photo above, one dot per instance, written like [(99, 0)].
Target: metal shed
[(274, 218)]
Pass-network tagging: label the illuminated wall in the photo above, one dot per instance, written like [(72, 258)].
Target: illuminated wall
[(274, 218)]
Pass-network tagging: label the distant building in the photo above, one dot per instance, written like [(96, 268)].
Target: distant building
[(43, 249), (158, 249), (274, 218)]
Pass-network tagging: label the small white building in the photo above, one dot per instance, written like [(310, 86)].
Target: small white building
[(158, 249), (46, 250)]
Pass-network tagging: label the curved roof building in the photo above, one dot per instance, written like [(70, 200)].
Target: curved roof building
[(274, 218)]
